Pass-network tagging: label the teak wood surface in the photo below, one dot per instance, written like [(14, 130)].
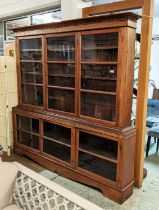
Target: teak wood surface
[(147, 7), (119, 131)]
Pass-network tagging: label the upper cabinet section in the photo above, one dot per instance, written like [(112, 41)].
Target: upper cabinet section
[(81, 68)]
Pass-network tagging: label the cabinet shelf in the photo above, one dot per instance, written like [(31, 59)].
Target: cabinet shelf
[(99, 78), (99, 156), (32, 73), (100, 48), (60, 50), (31, 50), (60, 62), (98, 92), (26, 131), (62, 88), (33, 84), (57, 141), (99, 62), (30, 61), (62, 75)]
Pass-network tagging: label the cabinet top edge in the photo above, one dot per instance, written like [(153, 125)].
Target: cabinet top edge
[(128, 19)]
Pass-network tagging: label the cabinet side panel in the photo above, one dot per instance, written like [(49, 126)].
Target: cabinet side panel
[(125, 76), (127, 161)]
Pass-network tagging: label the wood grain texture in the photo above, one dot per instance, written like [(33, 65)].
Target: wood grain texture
[(90, 23), (144, 67), (112, 7), (118, 135)]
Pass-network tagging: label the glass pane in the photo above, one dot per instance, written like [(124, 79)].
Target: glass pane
[(101, 85), (28, 124), (61, 75), (61, 49), (57, 132), (62, 100), (98, 106), (32, 94), (98, 166), (31, 49), (31, 73), (57, 150), (98, 145), (100, 47), (28, 139), (99, 77)]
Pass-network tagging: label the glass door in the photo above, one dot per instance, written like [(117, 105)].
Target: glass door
[(28, 131), (99, 57), (31, 69), (57, 141), (61, 73), (98, 155)]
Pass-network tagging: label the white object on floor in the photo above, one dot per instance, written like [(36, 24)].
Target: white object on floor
[(29, 190)]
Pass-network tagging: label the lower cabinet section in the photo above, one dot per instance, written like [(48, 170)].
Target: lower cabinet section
[(100, 157)]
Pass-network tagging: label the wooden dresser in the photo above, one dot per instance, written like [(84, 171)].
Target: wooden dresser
[(75, 82)]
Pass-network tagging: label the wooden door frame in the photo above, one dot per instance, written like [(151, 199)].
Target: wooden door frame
[(147, 7)]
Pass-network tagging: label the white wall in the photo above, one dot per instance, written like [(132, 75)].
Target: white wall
[(72, 9), (15, 7)]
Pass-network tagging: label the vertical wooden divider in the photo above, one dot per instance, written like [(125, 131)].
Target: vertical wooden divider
[(143, 78), (45, 71), (41, 134), (78, 73)]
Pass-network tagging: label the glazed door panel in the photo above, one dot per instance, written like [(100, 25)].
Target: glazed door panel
[(61, 73), (98, 83), (31, 71)]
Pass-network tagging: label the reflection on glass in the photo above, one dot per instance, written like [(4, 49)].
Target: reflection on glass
[(100, 47), (31, 49), (28, 131), (62, 100), (28, 139), (31, 73), (61, 75), (32, 94), (61, 49), (57, 132), (98, 145), (98, 106), (97, 166), (57, 150), (27, 123)]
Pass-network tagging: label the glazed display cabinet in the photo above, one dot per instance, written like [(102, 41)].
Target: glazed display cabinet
[(75, 83)]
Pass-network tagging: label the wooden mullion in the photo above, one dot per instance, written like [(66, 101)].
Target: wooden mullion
[(45, 71), (41, 134), (144, 66), (18, 71), (78, 74)]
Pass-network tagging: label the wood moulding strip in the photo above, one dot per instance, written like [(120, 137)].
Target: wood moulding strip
[(112, 7), (98, 92), (99, 156)]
